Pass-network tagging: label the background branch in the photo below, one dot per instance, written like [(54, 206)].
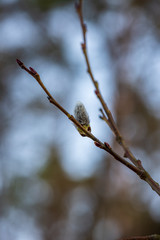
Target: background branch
[(150, 237)]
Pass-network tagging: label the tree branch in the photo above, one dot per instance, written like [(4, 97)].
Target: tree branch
[(150, 237), (107, 116), (110, 120), (98, 143), (105, 146)]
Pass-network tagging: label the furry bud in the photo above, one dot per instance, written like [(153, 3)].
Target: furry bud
[(82, 117)]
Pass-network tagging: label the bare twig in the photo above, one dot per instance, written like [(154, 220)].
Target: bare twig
[(107, 116), (110, 120), (150, 237)]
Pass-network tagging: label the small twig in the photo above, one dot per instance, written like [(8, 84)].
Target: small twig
[(110, 121), (104, 118), (150, 237)]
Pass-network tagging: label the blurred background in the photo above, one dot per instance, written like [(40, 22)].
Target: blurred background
[(54, 184)]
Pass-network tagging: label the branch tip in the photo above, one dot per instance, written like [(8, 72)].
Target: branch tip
[(19, 62)]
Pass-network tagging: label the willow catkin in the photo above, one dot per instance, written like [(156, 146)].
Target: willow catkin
[(82, 117)]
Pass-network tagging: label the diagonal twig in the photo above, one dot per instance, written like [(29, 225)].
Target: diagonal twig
[(150, 237), (109, 119)]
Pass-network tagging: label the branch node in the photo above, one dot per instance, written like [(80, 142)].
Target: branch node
[(97, 144), (49, 98), (83, 45), (85, 28), (139, 163), (19, 63), (119, 139), (77, 6), (33, 71), (126, 154), (96, 92), (96, 85), (101, 117), (107, 145), (69, 116), (143, 175)]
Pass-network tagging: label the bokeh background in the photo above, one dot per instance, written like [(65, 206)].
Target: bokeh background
[(54, 184)]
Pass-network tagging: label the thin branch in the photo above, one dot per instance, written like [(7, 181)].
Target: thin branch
[(150, 237), (110, 120), (104, 118), (105, 146)]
